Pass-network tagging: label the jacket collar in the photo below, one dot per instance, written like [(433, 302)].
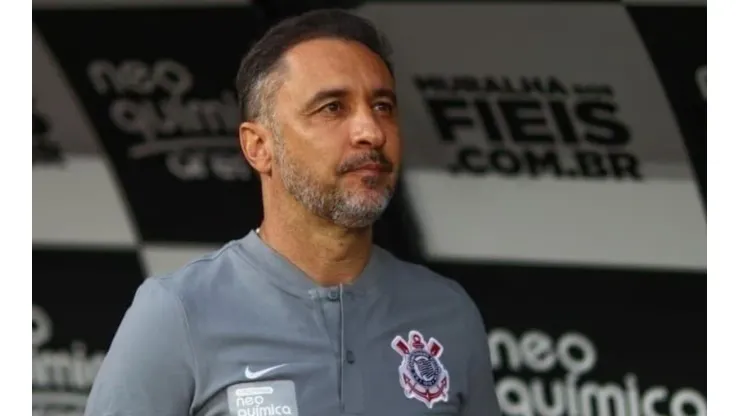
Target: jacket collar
[(288, 277)]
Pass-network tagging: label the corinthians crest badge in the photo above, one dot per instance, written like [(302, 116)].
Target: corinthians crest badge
[(421, 373)]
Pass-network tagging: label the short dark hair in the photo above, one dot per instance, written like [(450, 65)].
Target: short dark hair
[(257, 67)]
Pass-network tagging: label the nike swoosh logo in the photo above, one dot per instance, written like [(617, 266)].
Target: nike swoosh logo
[(257, 374)]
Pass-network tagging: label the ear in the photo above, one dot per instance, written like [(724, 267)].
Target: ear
[(256, 146)]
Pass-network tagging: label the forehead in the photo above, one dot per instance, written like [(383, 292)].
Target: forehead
[(321, 64)]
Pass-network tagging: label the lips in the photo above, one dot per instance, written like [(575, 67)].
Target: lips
[(373, 167), (371, 163)]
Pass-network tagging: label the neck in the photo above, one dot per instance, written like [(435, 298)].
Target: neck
[(327, 253)]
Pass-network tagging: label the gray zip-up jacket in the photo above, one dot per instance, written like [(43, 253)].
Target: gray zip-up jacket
[(244, 332)]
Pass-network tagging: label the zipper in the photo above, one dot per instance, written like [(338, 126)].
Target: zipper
[(341, 347)]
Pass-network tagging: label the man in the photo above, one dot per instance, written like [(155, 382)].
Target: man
[(305, 316)]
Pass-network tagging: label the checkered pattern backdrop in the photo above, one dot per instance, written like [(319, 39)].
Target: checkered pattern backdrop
[(555, 166)]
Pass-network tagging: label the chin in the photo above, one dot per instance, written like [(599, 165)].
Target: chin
[(369, 197), (366, 201), (359, 218)]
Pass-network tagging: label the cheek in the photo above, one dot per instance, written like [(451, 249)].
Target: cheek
[(326, 157), (322, 163), (393, 146)]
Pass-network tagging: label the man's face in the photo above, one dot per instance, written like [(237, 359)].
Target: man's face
[(337, 149)]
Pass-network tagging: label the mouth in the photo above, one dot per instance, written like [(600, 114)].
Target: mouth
[(372, 167)]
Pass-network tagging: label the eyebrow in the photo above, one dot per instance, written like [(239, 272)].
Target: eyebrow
[(385, 93), (338, 93)]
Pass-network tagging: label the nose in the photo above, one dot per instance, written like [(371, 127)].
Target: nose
[(366, 130)]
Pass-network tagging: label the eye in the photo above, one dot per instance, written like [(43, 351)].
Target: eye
[(332, 107), (385, 107)]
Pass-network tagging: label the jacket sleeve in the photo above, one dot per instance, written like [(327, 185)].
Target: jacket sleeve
[(149, 368), (481, 400)]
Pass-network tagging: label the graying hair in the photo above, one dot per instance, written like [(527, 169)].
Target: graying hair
[(260, 102), (259, 73)]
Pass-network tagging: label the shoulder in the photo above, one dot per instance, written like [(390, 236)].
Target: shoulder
[(206, 275), (433, 287)]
